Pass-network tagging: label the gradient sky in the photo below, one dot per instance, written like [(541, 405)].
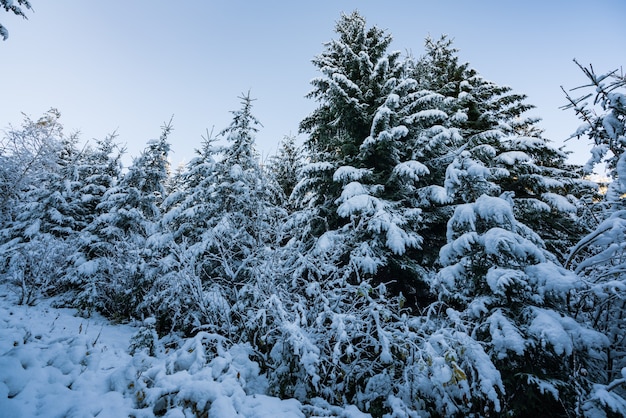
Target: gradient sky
[(128, 66)]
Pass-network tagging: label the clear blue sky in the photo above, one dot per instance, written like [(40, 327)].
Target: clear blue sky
[(130, 65)]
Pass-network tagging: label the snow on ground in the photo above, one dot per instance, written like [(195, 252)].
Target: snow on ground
[(54, 363)]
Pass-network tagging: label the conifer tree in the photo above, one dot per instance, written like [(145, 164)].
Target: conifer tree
[(347, 91), (50, 215), (177, 297), (286, 165), (101, 170), (219, 230), (349, 95), (54, 206), (110, 263), (247, 199), (486, 144), (499, 285)]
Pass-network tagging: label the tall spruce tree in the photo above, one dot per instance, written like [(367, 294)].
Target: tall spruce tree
[(487, 137), (177, 297), (360, 181), (347, 91), (247, 200), (348, 96)]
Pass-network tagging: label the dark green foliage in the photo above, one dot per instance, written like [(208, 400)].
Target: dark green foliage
[(348, 93), (286, 165), (488, 145)]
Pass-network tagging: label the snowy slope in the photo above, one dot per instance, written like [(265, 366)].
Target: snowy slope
[(56, 364), (53, 363)]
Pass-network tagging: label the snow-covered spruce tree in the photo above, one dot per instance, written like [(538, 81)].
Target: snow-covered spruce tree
[(487, 139), (286, 165), (382, 195), (221, 234), (48, 217), (340, 335), (189, 205), (599, 257), (500, 286), (247, 203), (485, 105), (242, 232), (100, 169), (348, 97), (109, 266), (177, 298), (346, 90), (363, 178)]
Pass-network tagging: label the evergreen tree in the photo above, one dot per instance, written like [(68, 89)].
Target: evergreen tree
[(110, 263), (486, 144), (189, 205), (286, 165), (500, 286), (247, 201), (347, 91), (382, 197), (349, 94), (49, 215), (177, 297), (54, 206), (100, 169), (222, 230), (360, 185)]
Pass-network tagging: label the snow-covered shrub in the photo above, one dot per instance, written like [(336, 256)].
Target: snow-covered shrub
[(111, 285), (36, 268), (28, 155), (598, 258), (603, 120), (145, 339), (324, 337), (180, 301), (202, 376)]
